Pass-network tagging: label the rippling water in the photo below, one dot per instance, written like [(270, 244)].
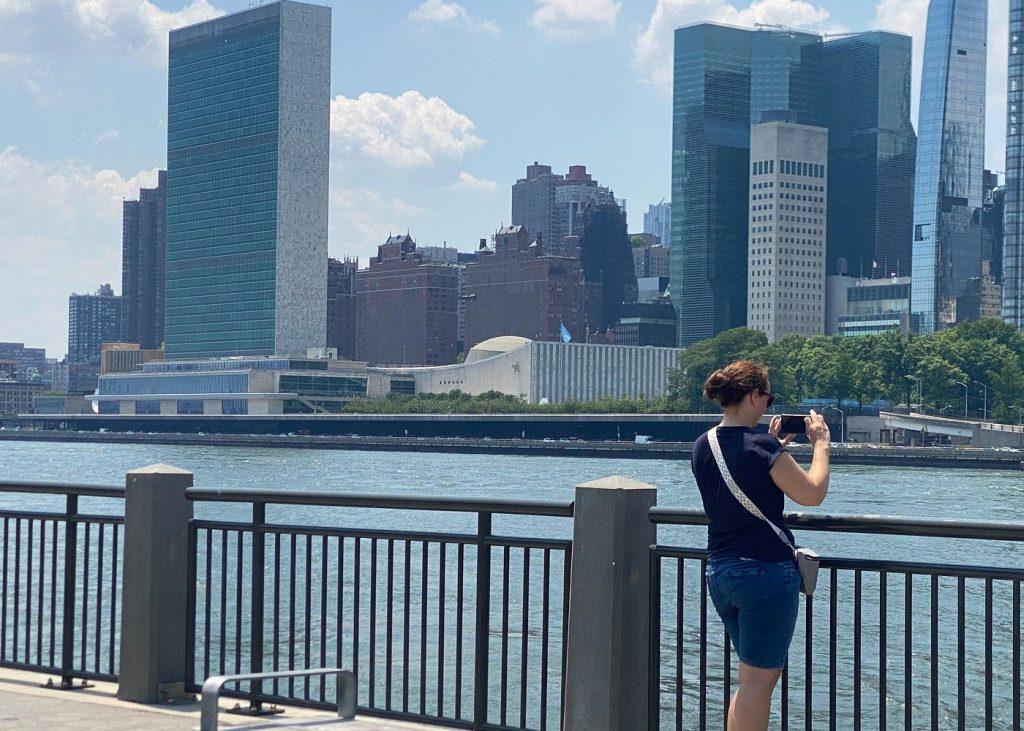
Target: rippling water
[(917, 492)]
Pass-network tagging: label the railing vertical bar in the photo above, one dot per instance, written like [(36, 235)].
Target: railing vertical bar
[(961, 669), (481, 654), (726, 676), (323, 617), (505, 560), (357, 610), (808, 663), (373, 623), (3, 598), (908, 650), (680, 638), (566, 576), (833, 645), (524, 658), (41, 585), (883, 618), (99, 597), (934, 618), (339, 610), (239, 553), (28, 595), (277, 607), (292, 569), (703, 709), (190, 602), (257, 568), (1016, 655), (460, 589), (784, 710), (85, 596), (17, 591), (308, 618), (222, 648), (114, 614), (53, 590), (544, 637), (70, 573), (389, 623), (442, 566), (207, 629), (988, 653), (857, 678), (424, 561), (406, 597)]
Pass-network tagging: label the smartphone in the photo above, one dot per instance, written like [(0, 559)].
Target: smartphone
[(793, 424)]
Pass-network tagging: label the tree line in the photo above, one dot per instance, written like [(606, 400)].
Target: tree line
[(891, 368)]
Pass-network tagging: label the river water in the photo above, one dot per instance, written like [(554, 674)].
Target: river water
[(916, 492)]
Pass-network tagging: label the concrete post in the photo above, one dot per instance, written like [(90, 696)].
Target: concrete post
[(606, 685), (154, 584)]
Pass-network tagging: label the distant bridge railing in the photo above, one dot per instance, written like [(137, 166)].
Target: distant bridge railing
[(897, 643), (460, 628), (60, 603)]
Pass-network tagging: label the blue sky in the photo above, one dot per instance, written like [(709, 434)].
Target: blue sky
[(437, 108)]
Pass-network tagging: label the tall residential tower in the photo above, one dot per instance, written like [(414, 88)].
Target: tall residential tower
[(143, 244), (247, 165), (1013, 220), (947, 236)]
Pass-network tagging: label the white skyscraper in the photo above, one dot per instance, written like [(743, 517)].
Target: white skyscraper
[(658, 221), (788, 199)]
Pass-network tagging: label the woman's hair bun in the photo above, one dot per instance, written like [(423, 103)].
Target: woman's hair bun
[(729, 385)]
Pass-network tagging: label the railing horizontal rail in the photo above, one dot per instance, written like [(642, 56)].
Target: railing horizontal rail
[(554, 508), (59, 515), (381, 534), (875, 524), (61, 488)]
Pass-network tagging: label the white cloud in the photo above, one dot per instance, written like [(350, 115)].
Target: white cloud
[(409, 130), (109, 136), (439, 12), (473, 184), (61, 224), (361, 219), (10, 7), (652, 51), (567, 19)]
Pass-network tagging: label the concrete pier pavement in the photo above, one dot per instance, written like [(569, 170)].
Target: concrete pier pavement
[(26, 705)]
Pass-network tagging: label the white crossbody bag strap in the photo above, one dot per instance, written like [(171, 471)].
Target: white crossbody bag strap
[(737, 493)]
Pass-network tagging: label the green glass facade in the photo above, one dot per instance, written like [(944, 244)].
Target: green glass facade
[(222, 150)]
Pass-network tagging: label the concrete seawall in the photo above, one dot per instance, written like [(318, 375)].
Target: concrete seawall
[(850, 454)]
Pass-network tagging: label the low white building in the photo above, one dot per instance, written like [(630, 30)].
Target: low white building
[(554, 372)]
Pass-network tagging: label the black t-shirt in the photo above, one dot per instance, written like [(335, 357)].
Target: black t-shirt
[(733, 532)]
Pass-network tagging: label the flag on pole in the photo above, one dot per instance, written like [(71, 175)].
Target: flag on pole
[(566, 337)]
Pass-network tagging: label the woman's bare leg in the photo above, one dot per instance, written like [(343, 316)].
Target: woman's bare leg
[(751, 703)]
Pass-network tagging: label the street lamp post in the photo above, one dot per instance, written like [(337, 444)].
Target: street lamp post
[(966, 388), (984, 406), (920, 397), (842, 422)]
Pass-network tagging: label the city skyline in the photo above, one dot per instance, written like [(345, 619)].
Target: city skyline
[(449, 187)]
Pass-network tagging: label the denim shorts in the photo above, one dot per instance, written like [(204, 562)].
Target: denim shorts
[(758, 603)]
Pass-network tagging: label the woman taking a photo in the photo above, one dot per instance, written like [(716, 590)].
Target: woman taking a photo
[(751, 572)]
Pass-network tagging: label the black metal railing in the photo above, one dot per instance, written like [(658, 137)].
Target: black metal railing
[(60, 603), (458, 628), (882, 643)]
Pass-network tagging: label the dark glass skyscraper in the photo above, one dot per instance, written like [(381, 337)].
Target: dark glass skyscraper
[(247, 163), (872, 152), (785, 74), (1013, 225), (947, 236), (143, 243), (710, 156)]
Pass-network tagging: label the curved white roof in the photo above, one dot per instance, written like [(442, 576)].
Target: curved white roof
[(495, 346)]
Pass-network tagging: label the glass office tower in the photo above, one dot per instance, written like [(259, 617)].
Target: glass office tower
[(947, 235), (1013, 236), (247, 153), (710, 155), (872, 153)]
